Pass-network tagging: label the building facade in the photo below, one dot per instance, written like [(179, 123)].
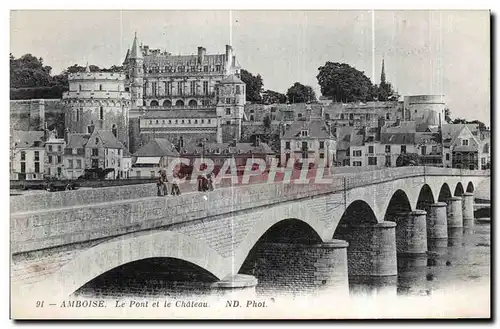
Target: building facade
[(28, 155), (54, 154), (187, 88)]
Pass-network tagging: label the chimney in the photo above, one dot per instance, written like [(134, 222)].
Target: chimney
[(201, 54)]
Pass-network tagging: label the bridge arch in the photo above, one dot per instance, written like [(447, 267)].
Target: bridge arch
[(117, 252), (425, 198), (278, 257), (459, 189), (470, 187), (444, 193), (398, 202)]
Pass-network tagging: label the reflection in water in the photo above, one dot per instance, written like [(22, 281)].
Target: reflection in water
[(373, 285), (459, 262)]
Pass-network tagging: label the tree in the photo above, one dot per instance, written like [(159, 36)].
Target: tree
[(344, 83), (254, 86), (273, 97), (299, 93), (481, 124), (408, 159), (447, 115)]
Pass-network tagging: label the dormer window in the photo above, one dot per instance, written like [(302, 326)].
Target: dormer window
[(304, 133)]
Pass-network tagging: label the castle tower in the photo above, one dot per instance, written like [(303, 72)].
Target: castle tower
[(98, 99), (136, 73), (230, 103)]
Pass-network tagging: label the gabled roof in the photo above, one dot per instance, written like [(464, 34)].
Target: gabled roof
[(107, 139), (28, 138), (77, 141), (397, 138), (157, 147), (230, 79), (317, 128), (426, 138)]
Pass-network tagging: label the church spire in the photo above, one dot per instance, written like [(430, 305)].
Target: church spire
[(382, 75), (135, 52)]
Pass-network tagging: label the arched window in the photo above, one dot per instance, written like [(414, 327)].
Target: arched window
[(101, 113), (193, 103), (153, 103), (251, 118), (100, 87), (167, 103), (179, 103)]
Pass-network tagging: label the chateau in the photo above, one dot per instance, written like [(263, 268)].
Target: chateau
[(186, 99)]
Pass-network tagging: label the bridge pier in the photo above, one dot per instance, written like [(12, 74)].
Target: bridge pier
[(299, 268), (330, 275), (437, 226), (454, 212), (372, 249), (468, 206), (411, 238), (238, 287)]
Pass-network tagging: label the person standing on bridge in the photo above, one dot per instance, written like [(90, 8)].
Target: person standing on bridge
[(210, 183), (162, 184), (175, 187)]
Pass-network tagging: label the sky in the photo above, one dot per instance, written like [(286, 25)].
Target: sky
[(425, 52)]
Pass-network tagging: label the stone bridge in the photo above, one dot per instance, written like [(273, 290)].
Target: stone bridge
[(312, 236)]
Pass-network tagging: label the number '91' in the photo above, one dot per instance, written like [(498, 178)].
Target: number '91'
[(39, 303)]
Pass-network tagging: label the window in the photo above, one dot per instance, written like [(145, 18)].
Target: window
[(37, 167), (208, 120), (179, 88), (195, 121), (403, 148), (355, 163), (356, 153), (95, 152), (351, 116), (79, 87), (74, 151), (486, 148), (447, 156), (388, 116), (228, 100), (59, 148), (50, 158), (70, 163), (434, 149), (322, 155), (205, 68), (304, 145), (228, 122), (483, 161), (228, 111), (37, 156), (193, 87), (387, 160), (100, 87), (23, 167), (59, 159), (287, 145), (321, 145), (78, 164), (387, 149), (202, 120), (95, 163), (50, 148), (101, 113), (205, 87), (370, 149), (342, 116), (465, 142), (238, 91), (304, 133), (372, 161), (168, 88), (424, 149), (327, 116), (299, 115), (23, 155), (189, 121)]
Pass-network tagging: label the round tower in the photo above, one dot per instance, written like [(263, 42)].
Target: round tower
[(231, 95), (98, 100)]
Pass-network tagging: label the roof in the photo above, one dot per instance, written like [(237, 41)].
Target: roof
[(262, 148), (135, 52), (28, 138), (317, 129), (356, 138), (157, 147), (426, 138), (401, 128), (107, 138), (344, 137), (451, 130), (167, 59), (397, 138), (231, 79), (77, 141), (468, 148)]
